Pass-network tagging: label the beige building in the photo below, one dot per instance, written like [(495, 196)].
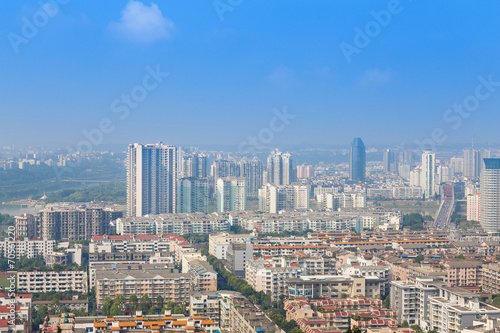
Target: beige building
[(333, 286), (203, 275), (27, 225), (269, 278), (41, 282), (70, 222), (171, 286)]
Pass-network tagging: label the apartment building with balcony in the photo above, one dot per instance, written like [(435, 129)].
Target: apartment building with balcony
[(244, 316), (333, 286), (28, 248), (174, 287), (463, 273), (434, 305), (27, 225), (203, 275), (490, 281), (41, 282), (404, 300), (71, 222), (270, 278)]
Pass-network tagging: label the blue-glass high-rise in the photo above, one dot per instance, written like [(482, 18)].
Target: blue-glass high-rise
[(357, 160)]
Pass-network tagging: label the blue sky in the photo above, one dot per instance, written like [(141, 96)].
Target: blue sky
[(227, 76)]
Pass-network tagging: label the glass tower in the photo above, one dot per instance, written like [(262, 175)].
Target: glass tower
[(357, 160)]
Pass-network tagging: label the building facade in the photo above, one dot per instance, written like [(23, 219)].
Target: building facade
[(152, 179)]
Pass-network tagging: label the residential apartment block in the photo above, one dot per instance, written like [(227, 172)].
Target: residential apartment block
[(157, 282), (41, 282)]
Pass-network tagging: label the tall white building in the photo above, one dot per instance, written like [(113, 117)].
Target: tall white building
[(444, 174), (489, 205), (416, 177), (231, 194), (341, 200), (457, 164), (473, 210), (274, 198), (428, 173), (280, 170), (253, 171), (152, 178)]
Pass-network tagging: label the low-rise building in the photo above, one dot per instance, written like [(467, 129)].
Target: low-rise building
[(41, 282)]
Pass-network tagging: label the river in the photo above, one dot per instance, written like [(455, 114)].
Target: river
[(17, 210)]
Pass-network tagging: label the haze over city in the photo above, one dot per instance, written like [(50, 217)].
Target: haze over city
[(230, 67), (249, 166)]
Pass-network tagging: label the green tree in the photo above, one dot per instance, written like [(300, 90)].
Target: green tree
[(496, 300), (353, 329), (170, 305), (159, 302), (405, 324), (42, 311), (387, 302), (146, 303), (106, 307), (119, 301), (55, 305), (115, 310), (417, 328)]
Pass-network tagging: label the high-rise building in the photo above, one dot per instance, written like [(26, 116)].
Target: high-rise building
[(70, 223), (273, 198), (28, 225), (444, 174), (489, 204), (457, 164), (152, 179), (194, 166), (192, 195), (253, 172), (472, 160), (428, 174), (305, 171), (224, 168), (231, 194), (389, 161), (473, 207), (357, 160), (280, 170)]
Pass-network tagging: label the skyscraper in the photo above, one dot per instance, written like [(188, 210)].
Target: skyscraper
[(388, 162), (194, 166), (252, 171), (231, 194), (280, 170), (192, 195), (473, 163), (489, 204), (357, 160), (151, 179), (224, 168), (428, 173)]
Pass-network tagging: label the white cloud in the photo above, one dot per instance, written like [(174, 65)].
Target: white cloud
[(282, 77), (141, 23), (376, 76)]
